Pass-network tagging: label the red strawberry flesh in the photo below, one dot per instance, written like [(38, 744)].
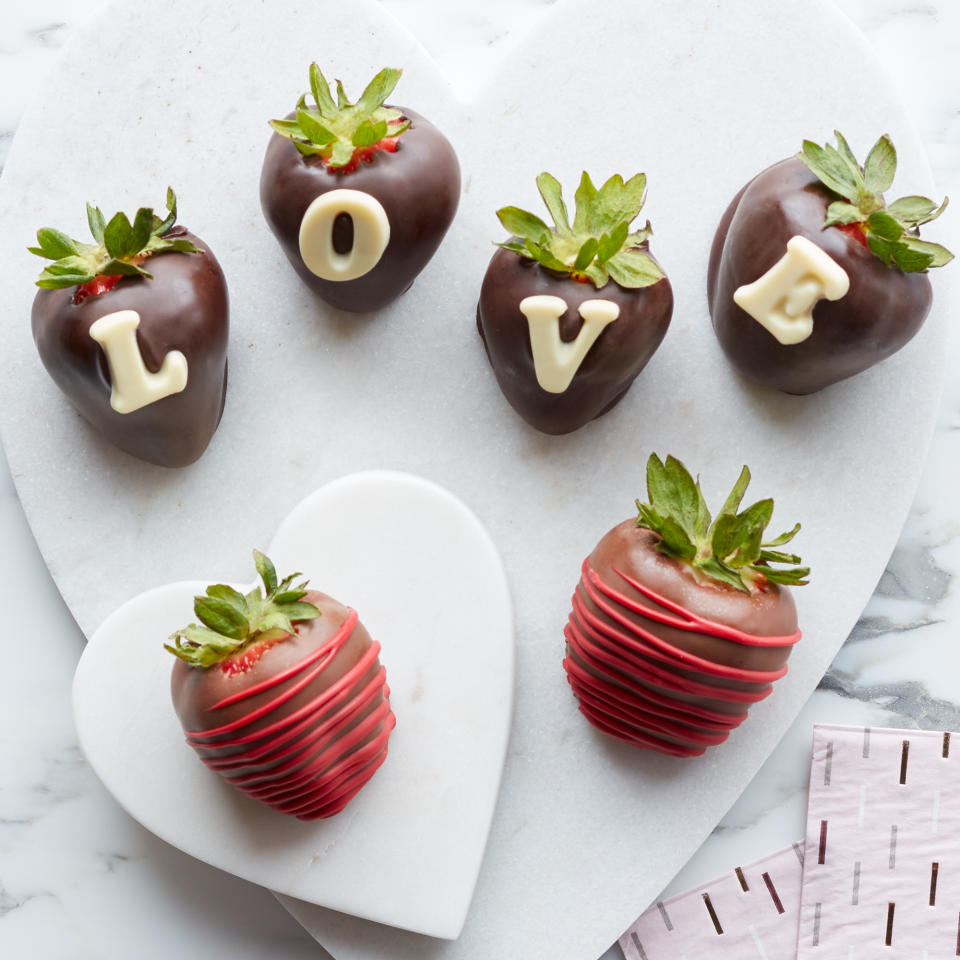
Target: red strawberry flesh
[(366, 154), (96, 286), (854, 230)]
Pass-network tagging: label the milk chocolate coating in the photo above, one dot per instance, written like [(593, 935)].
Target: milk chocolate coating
[(195, 690), (769, 612), (418, 187), (184, 307), (882, 310), (609, 368), (285, 744)]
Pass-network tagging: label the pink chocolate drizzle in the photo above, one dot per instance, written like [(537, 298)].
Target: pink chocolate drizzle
[(638, 687), (311, 762)]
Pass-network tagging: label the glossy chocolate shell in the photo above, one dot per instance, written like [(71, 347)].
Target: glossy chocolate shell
[(620, 352), (663, 661), (882, 310), (301, 724), (418, 187), (184, 307)]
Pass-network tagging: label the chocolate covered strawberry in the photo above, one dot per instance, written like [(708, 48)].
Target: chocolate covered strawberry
[(681, 621), (358, 194), (281, 692), (813, 276), (571, 313), (133, 329)]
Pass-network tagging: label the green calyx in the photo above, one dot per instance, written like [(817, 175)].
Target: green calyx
[(729, 548), (120, 247), (335, 130), (229, 620), (598, 244), (891, 230)]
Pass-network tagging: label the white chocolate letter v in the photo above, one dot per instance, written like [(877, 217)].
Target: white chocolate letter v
[(133, 386), (555, 361)]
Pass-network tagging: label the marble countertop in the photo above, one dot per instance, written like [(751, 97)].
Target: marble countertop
[(79, 879)]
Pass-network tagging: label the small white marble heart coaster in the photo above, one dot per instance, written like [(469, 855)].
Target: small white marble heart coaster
[(429, 585)]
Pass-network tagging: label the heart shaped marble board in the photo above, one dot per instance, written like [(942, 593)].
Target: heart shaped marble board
[(407, 850), (700, 96)]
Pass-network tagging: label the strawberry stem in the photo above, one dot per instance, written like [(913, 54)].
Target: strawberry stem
[(341, 133), (891, 232), (120, 248), (729, 548), (230, 620)]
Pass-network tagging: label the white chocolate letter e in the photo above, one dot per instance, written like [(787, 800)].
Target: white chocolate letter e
[(555, 361), (133, 385), (782, 300)]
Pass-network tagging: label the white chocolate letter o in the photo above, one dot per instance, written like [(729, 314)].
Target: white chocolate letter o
[(371, 234)]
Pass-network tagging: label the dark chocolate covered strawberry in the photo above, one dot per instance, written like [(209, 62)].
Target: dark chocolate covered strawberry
[(281, 692), (570, 314), (813, 276), (681, 621), (358, 194), (133, 329)]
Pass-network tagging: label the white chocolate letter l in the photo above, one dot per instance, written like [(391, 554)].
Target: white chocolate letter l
[(133, 386)]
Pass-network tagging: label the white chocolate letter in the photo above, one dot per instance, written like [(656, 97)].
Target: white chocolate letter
[(555, 361), (371, 234), (133, 385), (782, 300)]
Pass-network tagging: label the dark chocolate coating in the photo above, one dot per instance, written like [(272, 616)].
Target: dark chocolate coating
[(618, 355), (681, 697), (184, 307), (418, 187), (882, 310)]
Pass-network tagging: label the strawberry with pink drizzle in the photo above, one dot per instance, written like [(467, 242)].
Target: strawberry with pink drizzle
[(282, 693), (680, 622)]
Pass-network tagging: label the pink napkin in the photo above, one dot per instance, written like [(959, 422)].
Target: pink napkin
[(750, 912), (882, 874), (878, 877)]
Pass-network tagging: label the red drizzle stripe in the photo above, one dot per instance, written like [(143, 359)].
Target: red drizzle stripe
[(659, 707), (279, 747), (327, 652), (341, 687), (590, 646), (642, 720), (314, 752), (656, 648), (636, 737), (691, 621), (638, 687), (312, 762)]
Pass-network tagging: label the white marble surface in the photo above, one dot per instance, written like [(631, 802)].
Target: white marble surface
[(80, 879)]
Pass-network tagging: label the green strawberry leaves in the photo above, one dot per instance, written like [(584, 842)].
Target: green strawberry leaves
[(890, 230), (598, 245), (120, 246), (335, 129), (729, 548), (229, 620), (880, 166)]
